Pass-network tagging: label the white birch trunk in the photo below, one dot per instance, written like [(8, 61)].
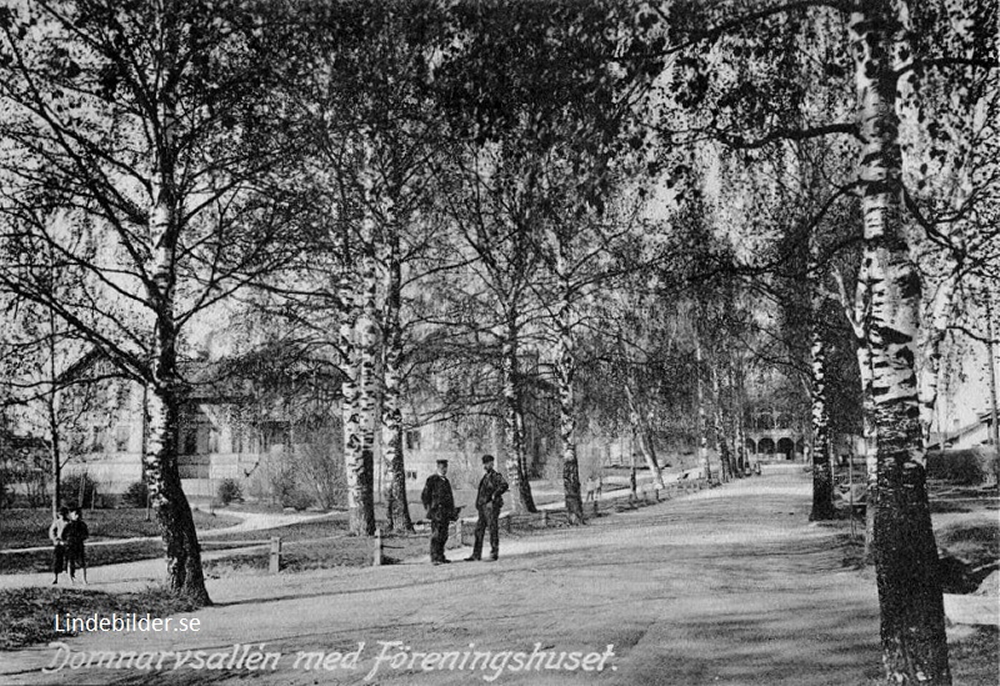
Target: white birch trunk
[(397, 507), (718, 425), (361, 346), (822, 505), (934, 331), (351, 419), (184, 570), (566, 370), (514, 425), (641, 432), (914, 645), (702, 428)]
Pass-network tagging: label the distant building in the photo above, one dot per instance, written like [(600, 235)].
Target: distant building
[(229, 429), (773, 435), (971, 435)]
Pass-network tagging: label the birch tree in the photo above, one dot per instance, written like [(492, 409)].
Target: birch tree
[(888, 58), (136, 130)]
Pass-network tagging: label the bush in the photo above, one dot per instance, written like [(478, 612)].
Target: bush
[(297, 499), (959, 467), (229, 491), (78, 490), (136, 495)]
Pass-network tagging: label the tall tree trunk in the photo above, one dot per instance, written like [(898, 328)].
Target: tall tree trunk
[(566, 370), (367, 406), (397, 508), (738, 426), (702, 428), (858, 314), (644, 442), (822, 506), (869, 429), (359, 342), (514, 425), (353, 458), (51, 404), (184, 570), (721, 444), (914, 645), (934, 331)]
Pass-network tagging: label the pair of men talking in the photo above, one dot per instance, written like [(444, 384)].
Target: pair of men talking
[(439, 501)]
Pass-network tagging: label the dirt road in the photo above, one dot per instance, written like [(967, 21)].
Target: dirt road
[(728, 586)]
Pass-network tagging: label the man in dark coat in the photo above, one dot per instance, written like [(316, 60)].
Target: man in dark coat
[(75, 534), (489, 501), (440, 505)]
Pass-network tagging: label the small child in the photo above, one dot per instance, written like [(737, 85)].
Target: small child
[(57, 536), (75, 534)]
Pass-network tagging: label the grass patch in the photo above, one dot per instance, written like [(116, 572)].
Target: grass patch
[(316, 528), (974, 659), (853, 549), (976, 542), (26, 614), (300, 556), (31, 562), (340, 551), (24, 528)]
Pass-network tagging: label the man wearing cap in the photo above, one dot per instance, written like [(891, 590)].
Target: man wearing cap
[(489, 501), (440, 505)]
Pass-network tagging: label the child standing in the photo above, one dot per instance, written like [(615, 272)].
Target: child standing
[(75, 534), (57, 536)]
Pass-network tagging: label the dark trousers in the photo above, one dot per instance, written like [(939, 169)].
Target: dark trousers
[(488, 517), (58, 559), (439, 537), (77, 560)]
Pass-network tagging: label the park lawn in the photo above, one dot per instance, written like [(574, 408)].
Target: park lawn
[(314, 528), (328, 553), (26, 614), (27, 528), (35, 561)]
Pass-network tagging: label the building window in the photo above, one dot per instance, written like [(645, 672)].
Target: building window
[(411, 474), (98, 439), (189, 441), (275, 434), (122, 434), (413, 439)]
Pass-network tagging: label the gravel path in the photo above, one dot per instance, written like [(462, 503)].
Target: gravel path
[(728, 586)]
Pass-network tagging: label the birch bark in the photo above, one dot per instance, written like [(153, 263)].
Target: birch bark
[(514, 425), (566, 370), (822, 506), (702, 428), (183, 554), (398, 512), (914, 645), (721, 444)]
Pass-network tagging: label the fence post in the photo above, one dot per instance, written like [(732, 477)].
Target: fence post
[(377, 555), (274, 565), (545, 518)]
